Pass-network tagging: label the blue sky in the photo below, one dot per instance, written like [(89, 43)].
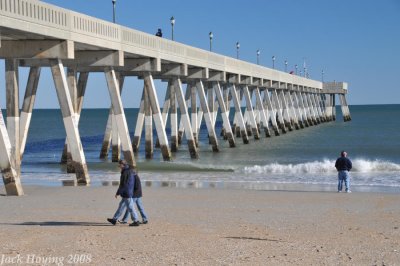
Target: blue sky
[(357, 41)]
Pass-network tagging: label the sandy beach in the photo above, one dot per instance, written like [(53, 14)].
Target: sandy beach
[(207, 226)]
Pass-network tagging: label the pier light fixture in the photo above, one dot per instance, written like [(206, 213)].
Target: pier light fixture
[(237, 50), (211, 35), (286, 65), (258, 56), (296, 67), (273, 61), (172, 19), (113, 3), (322, 73)]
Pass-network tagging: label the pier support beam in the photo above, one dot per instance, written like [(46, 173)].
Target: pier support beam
[(272, 112), (185, 118), (10, 159), (225, 118), (250, 112), (74, 141), (27, 106), (155, 111), (345, 108), (207, 116), (139, 125), (173, 116), (238, 114), (119, 114), (262, 112)]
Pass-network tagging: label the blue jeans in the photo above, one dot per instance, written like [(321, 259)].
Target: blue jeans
[(139, 205), (126, 203), (343, 176)]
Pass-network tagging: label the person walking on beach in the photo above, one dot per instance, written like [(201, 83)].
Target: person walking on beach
[(125, 190), (137, 199), (343, 166)]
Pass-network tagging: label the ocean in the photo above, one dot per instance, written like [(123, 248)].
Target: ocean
[(301, 158)]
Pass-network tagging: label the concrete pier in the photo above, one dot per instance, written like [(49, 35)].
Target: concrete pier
[(212, 85)]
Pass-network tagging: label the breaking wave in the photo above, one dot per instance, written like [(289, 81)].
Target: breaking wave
[(323, 167)]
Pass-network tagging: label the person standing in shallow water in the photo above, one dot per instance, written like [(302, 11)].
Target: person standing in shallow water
[(343, 166)]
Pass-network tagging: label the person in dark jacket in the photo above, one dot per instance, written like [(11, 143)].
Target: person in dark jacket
[(125, 190), (159, 33), (137, 199), (343, 166)]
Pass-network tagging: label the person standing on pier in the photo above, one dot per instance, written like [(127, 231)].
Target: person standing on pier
[(125, 190), (343, 166), (159, 33)]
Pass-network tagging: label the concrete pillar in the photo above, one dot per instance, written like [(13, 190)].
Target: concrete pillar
[(174, 117), (285, 109), (302, 108), (193, 111), (158, 121), (11, 178), (71, 127), (251, 117), (115, 139), (181, 126), (12, 96), (148, 126), (10, 158), (139, 125), (278, 108), (119, 114), (224, 115), (334, 106), (185, 119), (66, 157), (345, 108), (307, 110), (272, 112), (27, 106), (311, 115), (110, 135), (165, 110), (317, 108), (262, 112), (297, 109), (292, 112), (207, 116), (238, 114)]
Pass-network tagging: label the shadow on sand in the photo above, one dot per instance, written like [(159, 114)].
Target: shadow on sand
[(53, 223), (252, 238)]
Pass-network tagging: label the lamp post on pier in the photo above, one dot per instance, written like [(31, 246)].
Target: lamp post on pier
[(285, 65), (237, 50), (211, 35), (113, 3), (258, 56), (273, 61), (295, 66), (322, 73), (172, 25)]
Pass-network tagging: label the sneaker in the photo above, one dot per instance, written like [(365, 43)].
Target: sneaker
[(348, 191), (135, 223), (339, 191), (122, 222), (145, 222), (112, 221)]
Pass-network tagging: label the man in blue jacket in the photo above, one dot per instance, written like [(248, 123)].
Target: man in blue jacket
[(343, 166), (125, 190)]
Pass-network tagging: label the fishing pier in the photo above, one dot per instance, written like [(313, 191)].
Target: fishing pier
[(201, 85)]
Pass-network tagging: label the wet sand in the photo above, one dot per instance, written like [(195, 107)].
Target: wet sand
[(201, 226)]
